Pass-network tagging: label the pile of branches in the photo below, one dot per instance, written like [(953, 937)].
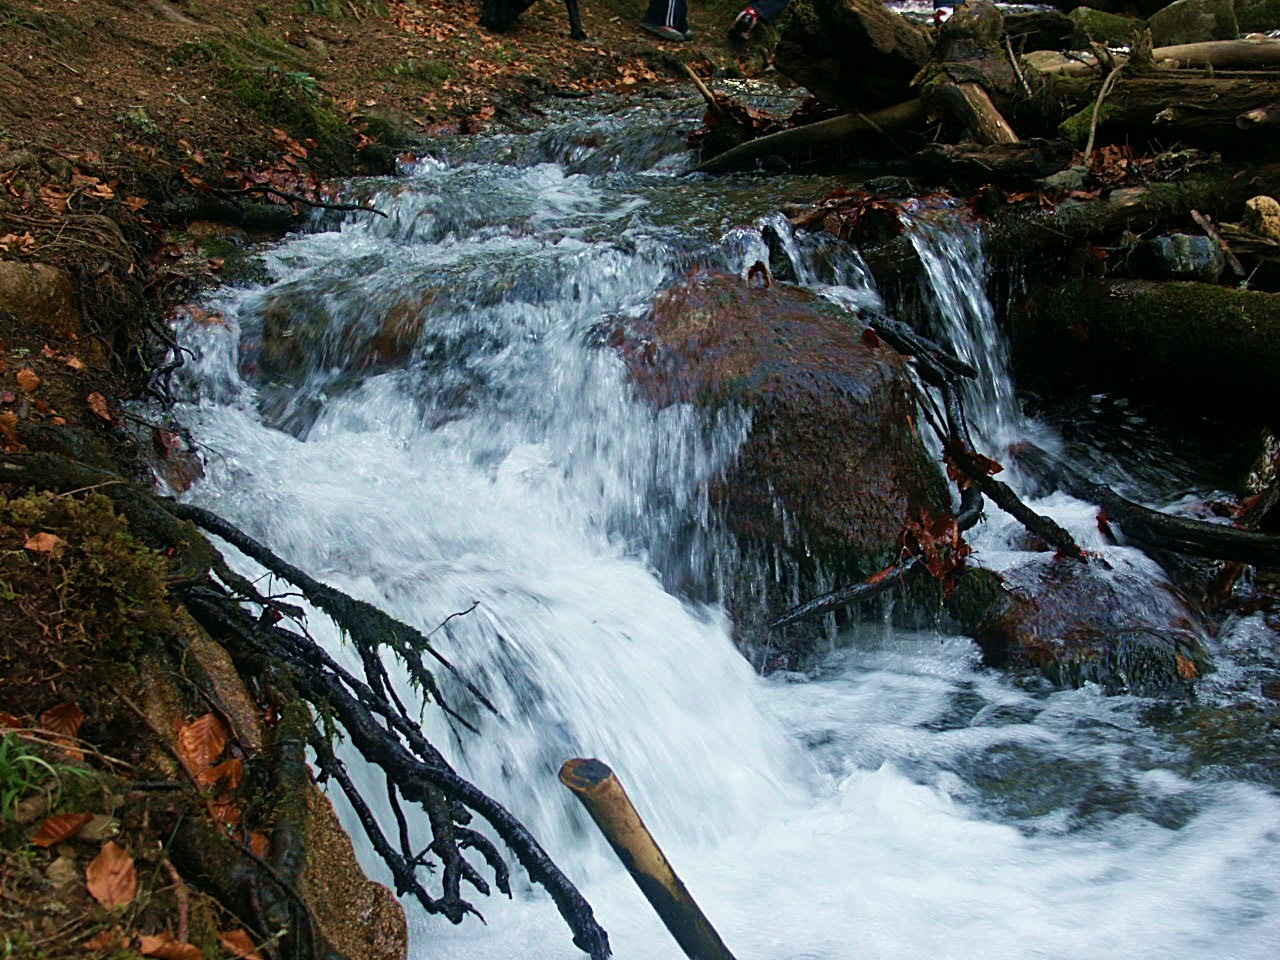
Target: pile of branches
[(268, 640)]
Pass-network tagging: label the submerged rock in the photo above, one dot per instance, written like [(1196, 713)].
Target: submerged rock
[(1083, 623), (833, 465)]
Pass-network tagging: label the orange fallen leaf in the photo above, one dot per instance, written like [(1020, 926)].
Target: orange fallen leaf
[(111, 877), (113, 939), (166, 947), (239, 944), (230, 772), (28, 380), (65, 718), (49, 543), (259, 846), (75, 363), (98, 404), (9, 720), (1186, 667), (57, 828), (201, 742)]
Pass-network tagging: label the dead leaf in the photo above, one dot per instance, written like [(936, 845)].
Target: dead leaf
[(98, 404), (9, 720), (28, 380), (230, 772), (166, 947), (1186, 667), (49, 543), (75, 363), (113, 939), (111, 878), (259, 845), (65, 718), (59, 827), (239, 944), (201, 742)]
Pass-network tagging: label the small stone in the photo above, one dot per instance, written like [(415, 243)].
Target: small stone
[(100, 828), (1271, 689), (1065, 181), (62, 872), (1184, 256), (1262, 216)]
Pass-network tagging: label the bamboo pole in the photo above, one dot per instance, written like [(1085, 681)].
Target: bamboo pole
[(602, 794)]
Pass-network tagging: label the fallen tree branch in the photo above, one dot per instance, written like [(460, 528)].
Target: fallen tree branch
[(1156, 530), (815, 136)]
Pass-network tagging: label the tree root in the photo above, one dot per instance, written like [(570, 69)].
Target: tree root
[(367, 710)]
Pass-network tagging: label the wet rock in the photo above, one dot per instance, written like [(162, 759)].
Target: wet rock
[(1262, 216), (362, 919), (1065, 181), (1096, 25), (856, 53), (1194, 21), (302, 333), (1082, 623), (41, 298), (1183, 256), (832, 467)]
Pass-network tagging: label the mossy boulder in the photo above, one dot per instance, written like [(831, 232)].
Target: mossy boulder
[(1194, 21), (41, 298), (1258, 16), (1096, 25), (1080, 623), (832, 467)]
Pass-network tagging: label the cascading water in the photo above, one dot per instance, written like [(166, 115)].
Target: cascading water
[(897, 801)]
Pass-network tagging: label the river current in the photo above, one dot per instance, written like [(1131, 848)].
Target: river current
[(897, 799)]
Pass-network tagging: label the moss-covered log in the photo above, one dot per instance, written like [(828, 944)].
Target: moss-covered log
[(1196, 110), (1205, 343)]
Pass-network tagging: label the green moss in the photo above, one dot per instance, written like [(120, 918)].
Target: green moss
[(238, 264), (22, 17), (83, 595), (1076, 127), (416, 70)]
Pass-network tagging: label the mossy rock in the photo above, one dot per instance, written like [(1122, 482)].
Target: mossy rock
[(81, 595), (1194, 21), (1258, 16), (1090, 25)]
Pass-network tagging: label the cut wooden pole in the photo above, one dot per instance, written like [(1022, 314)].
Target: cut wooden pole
[(602, 794)]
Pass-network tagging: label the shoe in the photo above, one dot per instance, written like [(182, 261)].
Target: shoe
[(744, 24), (663, 31)]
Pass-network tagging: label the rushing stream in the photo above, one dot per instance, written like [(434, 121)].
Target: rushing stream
[(897, 800)]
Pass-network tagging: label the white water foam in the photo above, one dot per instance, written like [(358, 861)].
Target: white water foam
[(899, 802)]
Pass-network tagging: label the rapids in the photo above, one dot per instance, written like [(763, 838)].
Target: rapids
[(896, 800)]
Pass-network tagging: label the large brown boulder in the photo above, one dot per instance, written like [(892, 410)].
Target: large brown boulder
[(852, 53), (1086, 623), (833, 466)]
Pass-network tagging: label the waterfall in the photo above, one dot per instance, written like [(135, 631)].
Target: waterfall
[(896, 801)]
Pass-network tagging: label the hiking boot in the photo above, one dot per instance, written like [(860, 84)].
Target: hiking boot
[(663, 31), (744, 24)]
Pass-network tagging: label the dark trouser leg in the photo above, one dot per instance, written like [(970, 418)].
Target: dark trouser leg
[(769, 10), (668, 13)]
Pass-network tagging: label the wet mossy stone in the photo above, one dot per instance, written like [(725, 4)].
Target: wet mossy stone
[(1194, 21), (1095, 25), (833, 465), (1258, 16)]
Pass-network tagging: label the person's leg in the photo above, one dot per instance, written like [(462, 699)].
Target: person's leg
[(673, 14), (769, 10)]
